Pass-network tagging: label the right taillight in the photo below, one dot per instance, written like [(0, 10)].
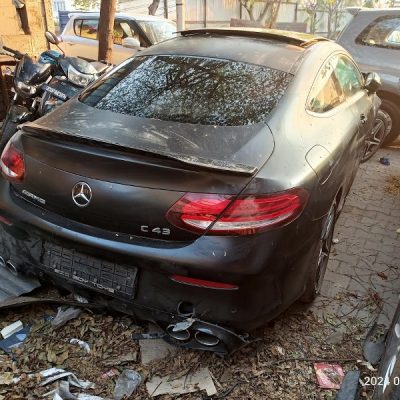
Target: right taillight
[(12, 163), (224, 215)]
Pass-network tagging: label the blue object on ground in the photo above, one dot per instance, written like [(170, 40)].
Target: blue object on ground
[(15, 340), (384, 161)]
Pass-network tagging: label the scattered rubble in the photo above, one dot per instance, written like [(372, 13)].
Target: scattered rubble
[(126, 384), (329, 376)]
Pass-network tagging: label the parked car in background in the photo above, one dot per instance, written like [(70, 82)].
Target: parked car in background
[(131, 33), (194, 183), (373, 39)]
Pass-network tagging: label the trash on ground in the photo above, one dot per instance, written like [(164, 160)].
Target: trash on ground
[(329, 376), (110, 374), (200, 380), (62, 392), (55, 374), (156, 349), (14, 340), (9, 330), (126, 384), (12, 286), (6, 378), (349, 388), (64, 315), (335, 240), (83, 345), (384, 161)]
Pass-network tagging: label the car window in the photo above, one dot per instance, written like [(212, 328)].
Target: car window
[(77, 27), (157, 31), (190, 90), (349, 77), (326, 92), (122, 30), (89, 28), (383, 32)]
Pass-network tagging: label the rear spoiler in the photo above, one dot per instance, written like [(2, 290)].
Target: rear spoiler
[(217, 165)]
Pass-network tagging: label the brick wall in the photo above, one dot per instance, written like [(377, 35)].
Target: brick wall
[(11, 32)]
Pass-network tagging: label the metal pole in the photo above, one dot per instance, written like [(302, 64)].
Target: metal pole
[(166, 9), (180, 15), (205, 13)]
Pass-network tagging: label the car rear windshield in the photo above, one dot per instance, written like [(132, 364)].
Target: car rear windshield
[(190, 90)]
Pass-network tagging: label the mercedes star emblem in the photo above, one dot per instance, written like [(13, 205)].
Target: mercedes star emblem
[(81, 194)]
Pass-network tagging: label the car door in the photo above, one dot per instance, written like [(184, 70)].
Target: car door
[(122, 30), (84, 43), (335, 114)]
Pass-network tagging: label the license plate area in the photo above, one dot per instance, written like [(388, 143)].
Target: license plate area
[(94, 273)]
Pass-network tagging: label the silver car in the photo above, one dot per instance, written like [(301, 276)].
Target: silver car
[(373, 38), (131, 33)]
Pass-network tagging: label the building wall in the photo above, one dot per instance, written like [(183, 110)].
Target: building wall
[(11, 32)]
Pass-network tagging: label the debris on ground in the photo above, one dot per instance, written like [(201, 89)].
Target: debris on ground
[(64, 315), (13, 286), (83, 345), (197, 381), (14, 341), (335, 240), (11, 329), (329, 376), (393, 185), (384, 161), (126, 384)]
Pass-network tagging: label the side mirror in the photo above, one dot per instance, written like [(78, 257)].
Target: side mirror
[(372, 82), (52, 38), (131, 43)]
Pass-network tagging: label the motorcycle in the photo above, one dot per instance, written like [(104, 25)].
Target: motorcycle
[(43, 85), (28, 79), (72, 75)]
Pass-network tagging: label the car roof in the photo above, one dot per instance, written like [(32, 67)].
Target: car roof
[(136, 17), (275, 49), (377, 11)]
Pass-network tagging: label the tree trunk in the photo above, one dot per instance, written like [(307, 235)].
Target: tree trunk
[(153, 7), (166, 9), (106, 29)]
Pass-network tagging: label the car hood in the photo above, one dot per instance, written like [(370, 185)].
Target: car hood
[(242, 149)]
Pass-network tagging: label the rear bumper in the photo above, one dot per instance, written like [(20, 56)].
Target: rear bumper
[(269, 269)]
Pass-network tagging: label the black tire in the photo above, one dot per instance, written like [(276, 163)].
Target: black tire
[(7, 131), (319, 264), (377, 136), (394, 112)]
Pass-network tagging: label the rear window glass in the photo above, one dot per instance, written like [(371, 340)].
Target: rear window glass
[(190, 90), (383, 32)]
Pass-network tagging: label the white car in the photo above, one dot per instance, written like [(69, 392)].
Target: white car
[(131, 33)]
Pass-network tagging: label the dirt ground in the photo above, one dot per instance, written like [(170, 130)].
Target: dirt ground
[(362, 286)]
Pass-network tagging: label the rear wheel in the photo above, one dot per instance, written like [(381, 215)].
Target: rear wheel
[(393, 112), (320, 257)]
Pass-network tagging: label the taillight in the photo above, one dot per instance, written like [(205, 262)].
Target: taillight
[(246, 215), (12, 163)]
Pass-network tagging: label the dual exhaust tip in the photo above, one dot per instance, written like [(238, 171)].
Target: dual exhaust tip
[(201, 337), (9, 265)]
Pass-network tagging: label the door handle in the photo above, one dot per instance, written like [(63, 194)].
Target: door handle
[(363, 118)]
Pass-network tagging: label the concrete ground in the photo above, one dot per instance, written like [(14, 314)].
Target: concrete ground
[(363, 276)]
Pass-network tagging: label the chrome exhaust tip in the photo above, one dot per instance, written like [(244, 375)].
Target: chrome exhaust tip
[(206, 339), (12, 268), (180, 335)]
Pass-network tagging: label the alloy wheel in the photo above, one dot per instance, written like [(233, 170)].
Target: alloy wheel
[(325, 247), (376, 138)]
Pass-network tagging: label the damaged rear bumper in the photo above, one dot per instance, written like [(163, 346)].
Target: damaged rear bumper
[(136, 279)]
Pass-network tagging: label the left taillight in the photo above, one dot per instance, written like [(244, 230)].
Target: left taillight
[(12, 163), (245, 215)]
